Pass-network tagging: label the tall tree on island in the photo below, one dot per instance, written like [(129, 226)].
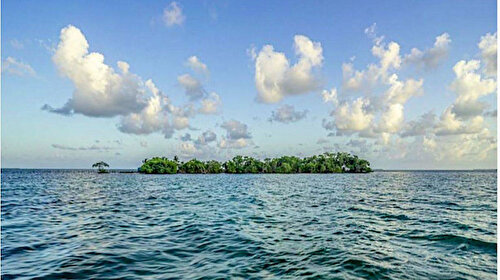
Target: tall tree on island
[(101, 166)]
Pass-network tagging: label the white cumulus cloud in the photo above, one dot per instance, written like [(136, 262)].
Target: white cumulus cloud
[(275, 78), (192, 86), (449, 124), (237, 135), (287, 114), (431, 57), (488, 47), (353, 117), (205, 138), (210, 104), (469, 86), (196, 65), (392, 119), (151, 119), (99, 90), (365, 80), (330, 96)]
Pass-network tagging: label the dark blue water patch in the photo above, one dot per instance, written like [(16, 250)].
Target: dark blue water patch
[(61, 224)]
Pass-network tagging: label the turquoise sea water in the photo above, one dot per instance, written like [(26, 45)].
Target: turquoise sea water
[(383, 225)]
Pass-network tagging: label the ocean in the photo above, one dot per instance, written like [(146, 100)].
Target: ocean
[(383, 225)]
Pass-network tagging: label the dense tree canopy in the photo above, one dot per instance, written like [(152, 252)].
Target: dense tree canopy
[(158, 165), (325, 163)]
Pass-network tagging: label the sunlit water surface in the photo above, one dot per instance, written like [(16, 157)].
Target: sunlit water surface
[(384, 225)]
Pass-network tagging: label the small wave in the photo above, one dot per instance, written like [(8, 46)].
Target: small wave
[(400, 217), (382, 215), (9, 251), (364, 269), (458, 241)]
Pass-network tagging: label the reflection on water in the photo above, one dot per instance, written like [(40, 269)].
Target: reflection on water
[(398, 225)]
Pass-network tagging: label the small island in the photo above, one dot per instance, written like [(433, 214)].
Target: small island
[(324, 163)]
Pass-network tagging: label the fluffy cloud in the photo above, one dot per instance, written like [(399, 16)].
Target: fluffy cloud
[(366, 80), (236, 130), (469, 87), (449, 124), (488, 47), (358, 146), (237, 135), (181, 115), (389, 60), (188, 149), (431, 57), (354, 80), (330, 96), (172, 15), (400, 91), (233, 144), (211, 104), (205, 138), (351, 117), (429, 143), (465, 116), (377, 115), (389, 55), (12, 66), (467, 147), (202, 147), (380, 114), (158, 116), (392, 119), (275, 78), (102, 92), (192, 86), (99, 90), (422, 126), (287, 114), (65, 110), (196, 65), (151, 119)]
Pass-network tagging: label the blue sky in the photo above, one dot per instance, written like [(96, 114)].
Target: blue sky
[(265, 101)]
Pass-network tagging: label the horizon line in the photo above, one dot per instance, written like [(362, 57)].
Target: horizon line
[(374, 169)]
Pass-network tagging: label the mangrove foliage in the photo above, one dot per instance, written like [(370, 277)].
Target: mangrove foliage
[(101, 167), (325, 163)]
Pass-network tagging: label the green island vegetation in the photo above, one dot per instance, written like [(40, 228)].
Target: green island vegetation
[(325, 163), (101, 167)]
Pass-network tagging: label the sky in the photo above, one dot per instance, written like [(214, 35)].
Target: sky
[(404, 84)]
